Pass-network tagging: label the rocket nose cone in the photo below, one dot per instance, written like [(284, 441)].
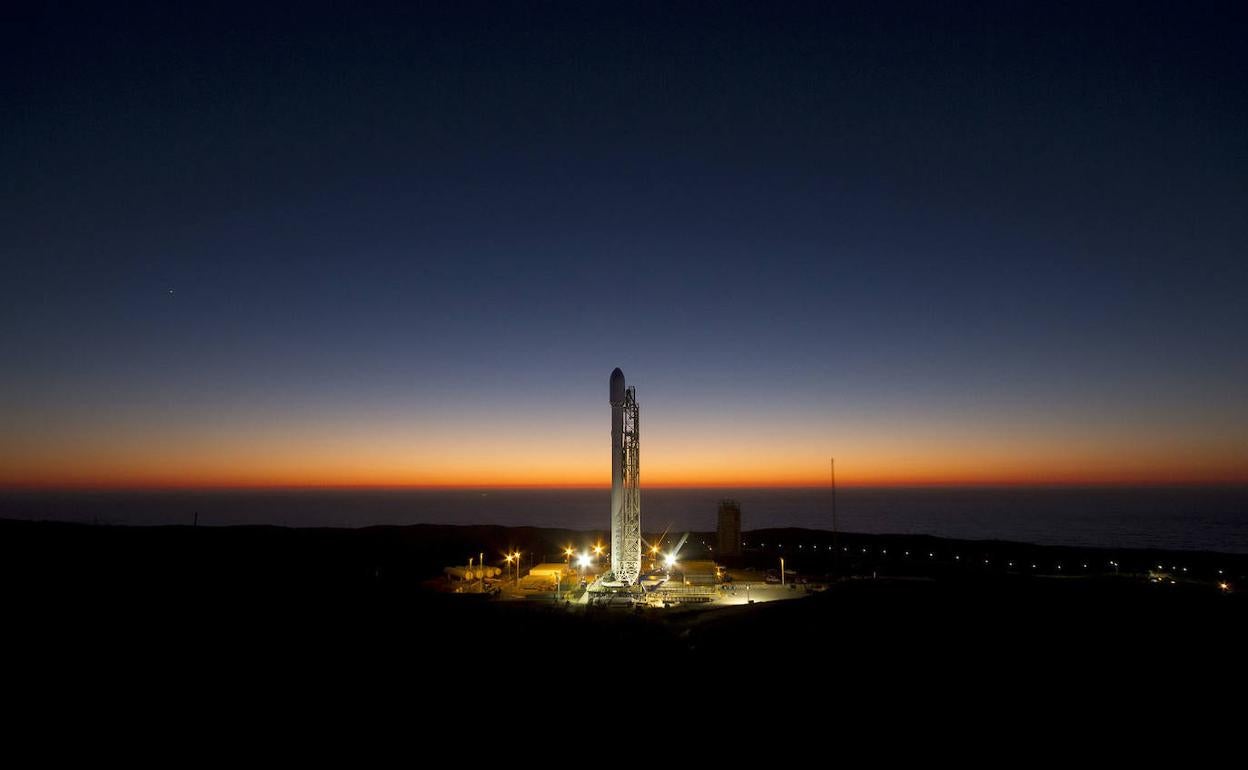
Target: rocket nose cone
[(617, 385)]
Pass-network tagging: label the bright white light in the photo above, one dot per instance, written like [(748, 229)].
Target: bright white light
[(583, 560), (669, 560)]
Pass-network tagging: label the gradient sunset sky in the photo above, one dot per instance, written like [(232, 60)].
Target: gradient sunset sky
[(372, 244)]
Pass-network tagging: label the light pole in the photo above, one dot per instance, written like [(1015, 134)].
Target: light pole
[(782, 572)]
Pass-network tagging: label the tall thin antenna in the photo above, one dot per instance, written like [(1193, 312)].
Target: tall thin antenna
[(832, 469), (832, 478)]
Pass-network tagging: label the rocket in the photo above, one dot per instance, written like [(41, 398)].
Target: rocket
[(617, 469), (625, 494)]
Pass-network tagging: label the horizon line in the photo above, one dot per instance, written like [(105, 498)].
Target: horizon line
[(917, 484)]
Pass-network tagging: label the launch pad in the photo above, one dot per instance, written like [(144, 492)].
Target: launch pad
[(639, 573)]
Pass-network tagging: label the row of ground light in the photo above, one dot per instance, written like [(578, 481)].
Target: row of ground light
[(826, 555)]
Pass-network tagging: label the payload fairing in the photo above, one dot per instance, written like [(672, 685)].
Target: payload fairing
[(625, 492)]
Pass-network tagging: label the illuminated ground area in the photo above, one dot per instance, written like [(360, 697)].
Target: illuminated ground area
[(745, 587)]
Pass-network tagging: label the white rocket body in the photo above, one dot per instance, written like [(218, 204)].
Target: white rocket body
[(617, 472)]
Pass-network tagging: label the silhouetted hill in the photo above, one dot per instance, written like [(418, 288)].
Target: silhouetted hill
[(226, 607)]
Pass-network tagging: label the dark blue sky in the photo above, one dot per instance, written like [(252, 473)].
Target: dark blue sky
[(886, 229)]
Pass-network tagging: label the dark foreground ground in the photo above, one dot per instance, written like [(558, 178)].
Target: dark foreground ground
[(181, 614)]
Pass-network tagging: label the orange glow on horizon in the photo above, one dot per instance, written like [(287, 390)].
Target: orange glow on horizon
[(845, 480), (372, 455)]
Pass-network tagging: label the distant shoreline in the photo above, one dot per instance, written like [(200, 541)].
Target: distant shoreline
[(797, 539), (1177, 518)]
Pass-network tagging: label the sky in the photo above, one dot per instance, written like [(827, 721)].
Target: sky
[(338, 244)]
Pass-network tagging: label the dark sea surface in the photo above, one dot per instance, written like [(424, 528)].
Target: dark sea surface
[(1199, 518)]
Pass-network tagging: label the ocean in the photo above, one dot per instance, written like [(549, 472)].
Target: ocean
[(1194, 518)]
